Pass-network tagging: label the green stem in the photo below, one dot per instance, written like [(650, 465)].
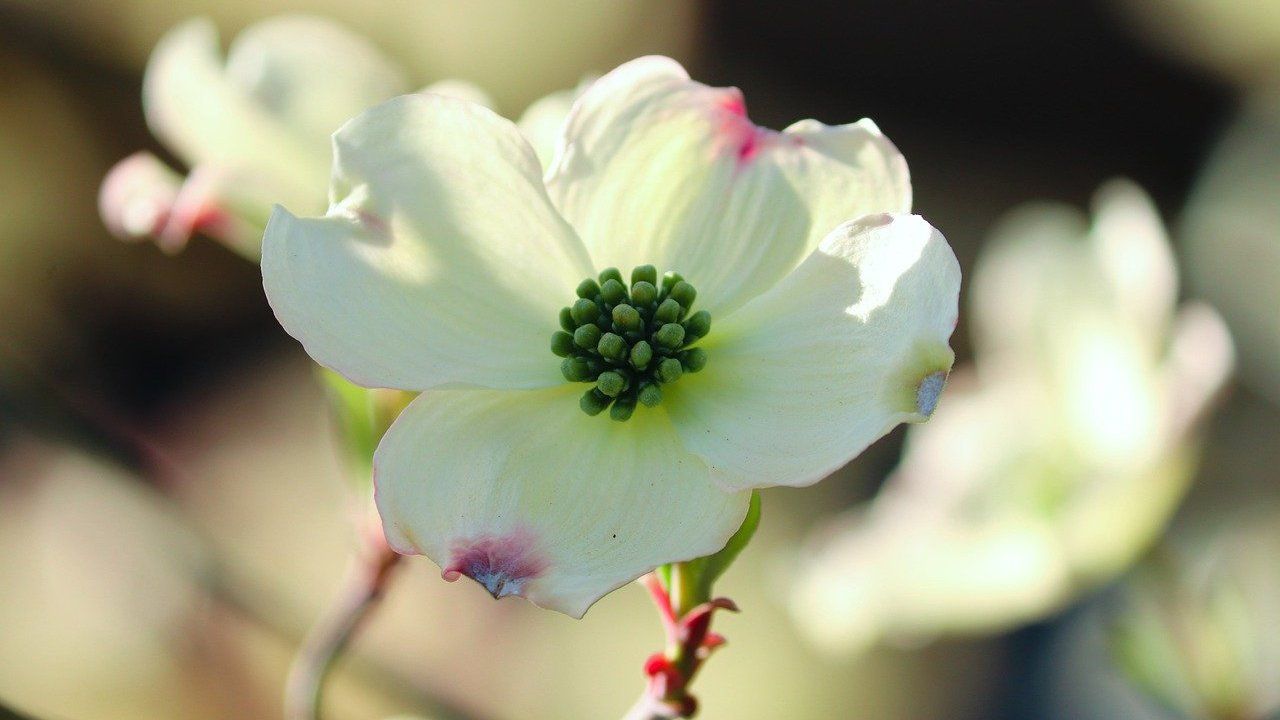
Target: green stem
[(684, 590)]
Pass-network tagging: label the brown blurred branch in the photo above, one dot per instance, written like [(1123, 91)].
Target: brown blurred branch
[(363, 587)]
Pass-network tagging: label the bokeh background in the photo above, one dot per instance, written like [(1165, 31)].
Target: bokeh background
[(172, 509)]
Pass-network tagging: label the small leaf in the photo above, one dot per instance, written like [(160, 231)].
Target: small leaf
[(713, 566)]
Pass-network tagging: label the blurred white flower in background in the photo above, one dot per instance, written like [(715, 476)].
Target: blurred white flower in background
[(517, 50), (99, 581), (1050, 465), (1231, 235), (1239, 39), (1196, 627), (255, 129)]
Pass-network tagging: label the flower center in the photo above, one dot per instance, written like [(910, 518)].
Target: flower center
[(630, 342)]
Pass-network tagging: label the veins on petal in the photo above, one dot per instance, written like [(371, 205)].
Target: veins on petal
[(503, 564)]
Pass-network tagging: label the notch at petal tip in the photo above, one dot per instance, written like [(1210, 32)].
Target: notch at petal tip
[(501, 564), (929, 391)]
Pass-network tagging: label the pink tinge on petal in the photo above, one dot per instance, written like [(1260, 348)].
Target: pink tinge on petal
[(137, 195), (195, 210), (744, 138), (503, 564), (374, 223)]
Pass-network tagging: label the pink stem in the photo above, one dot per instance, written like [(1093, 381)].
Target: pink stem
[(362, 588)]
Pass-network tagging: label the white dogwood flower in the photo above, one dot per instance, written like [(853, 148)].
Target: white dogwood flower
[(1056, 461), (447, 261)]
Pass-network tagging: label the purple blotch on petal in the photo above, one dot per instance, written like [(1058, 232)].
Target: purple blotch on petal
[(503, 564)]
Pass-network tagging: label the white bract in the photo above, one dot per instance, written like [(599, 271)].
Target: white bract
[(1056, 461), (254, 128), (1194, 627), (445, 265)]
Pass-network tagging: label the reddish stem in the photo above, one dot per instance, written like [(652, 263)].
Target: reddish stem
[(689, 643), (363, 587)]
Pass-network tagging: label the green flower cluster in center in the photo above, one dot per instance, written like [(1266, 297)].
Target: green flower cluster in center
[(632, 341)]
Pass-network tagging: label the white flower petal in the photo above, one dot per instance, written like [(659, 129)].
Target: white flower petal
[(1034, 266), (657, 169), (442, 260), (206, 118), (462, 90), (543, 121), (1200, 360), (805, 377), (899, 576), (1134, 255), (1047, 260), (529, 496), (310, 73)]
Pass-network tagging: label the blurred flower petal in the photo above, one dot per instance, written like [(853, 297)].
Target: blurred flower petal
[(1050, 469), (205, 117)]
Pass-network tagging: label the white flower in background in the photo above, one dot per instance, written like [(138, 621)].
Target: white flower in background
[(1195, 628), (254, 129), (1239, 39), (102, 591), (1054, 462), (446, 263), (1231, 234)]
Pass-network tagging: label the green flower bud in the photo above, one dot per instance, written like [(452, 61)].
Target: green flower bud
[(627, 318), (644, 273), (575, 369), (669, 281), (669, 336), (669, 370), (650, 395), (641, 354), (622, 409), (608, 274), (683, 293), (611, 383), (612, 346), (585, 311), (612, 291), (697, 326), (629, 343), (588, 289), (643, 292), (593, 403), (587, 336), (562, 343), (693, 359), (669, 311)]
